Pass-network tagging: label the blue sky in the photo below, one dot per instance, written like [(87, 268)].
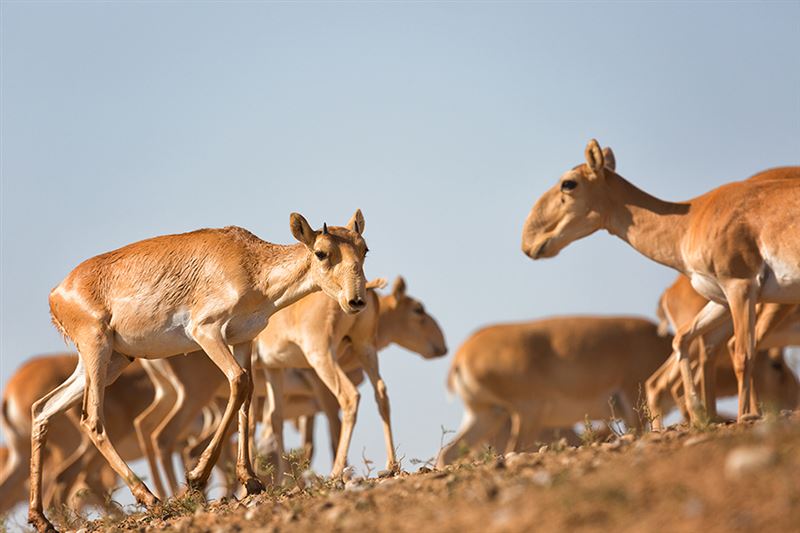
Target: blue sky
[(443, 122)]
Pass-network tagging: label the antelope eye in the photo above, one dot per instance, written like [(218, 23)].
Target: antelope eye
[(419, 310), (568, 185), (321, 255)]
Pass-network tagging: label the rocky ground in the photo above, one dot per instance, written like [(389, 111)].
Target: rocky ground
[(720, 478)]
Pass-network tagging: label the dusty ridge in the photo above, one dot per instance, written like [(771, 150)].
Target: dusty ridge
[(677, 480)]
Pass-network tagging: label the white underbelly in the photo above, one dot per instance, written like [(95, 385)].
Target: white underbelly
[(781, 283), (155, 345), (708, 287), (287, 356)]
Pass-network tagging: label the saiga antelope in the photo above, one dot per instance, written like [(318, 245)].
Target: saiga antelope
[(174, 294), (314, 334), (550, 373), (739, 244), (401, 319)]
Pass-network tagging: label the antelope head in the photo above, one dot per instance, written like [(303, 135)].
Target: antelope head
[(404, 321), (572, 208), (337, 259)]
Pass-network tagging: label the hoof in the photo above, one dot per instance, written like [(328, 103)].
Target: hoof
[(41, 523), (253, 486), (148, 500), (195, 484)]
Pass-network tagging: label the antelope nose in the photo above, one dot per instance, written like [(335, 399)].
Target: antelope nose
[(356, 303)]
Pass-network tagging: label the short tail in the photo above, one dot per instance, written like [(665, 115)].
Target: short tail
[(451, 377), (12, 435), (58, 325)]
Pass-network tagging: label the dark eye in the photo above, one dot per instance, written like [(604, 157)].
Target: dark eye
[(366, 251), (568, 185), (419, 310), (321, 255)]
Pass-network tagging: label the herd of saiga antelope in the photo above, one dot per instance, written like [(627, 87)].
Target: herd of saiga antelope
[(226, 298)]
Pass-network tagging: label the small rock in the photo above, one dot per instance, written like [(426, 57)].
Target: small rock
[(250, 514), (542, 478), (653, 436), (335, 514), (424, 470), (309, 478), (348, 473), (697, 439), (502, 519), (693, 508), (354, 486), (748, 459), (522, 460), (611, 446), (385, 473), (544, 449), (628, 438)]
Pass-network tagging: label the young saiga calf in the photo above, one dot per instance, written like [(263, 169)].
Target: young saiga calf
[(314, 334), (393, 318)]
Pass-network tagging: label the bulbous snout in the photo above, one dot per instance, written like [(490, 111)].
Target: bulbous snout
[(357, 303), (439, 350), (535, 248), (353, 298)]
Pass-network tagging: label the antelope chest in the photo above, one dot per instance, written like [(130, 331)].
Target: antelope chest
[(245, 327)]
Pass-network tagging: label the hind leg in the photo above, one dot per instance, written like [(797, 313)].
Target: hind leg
[(57, 401), (524, 422), (476, 426), (102, 368)]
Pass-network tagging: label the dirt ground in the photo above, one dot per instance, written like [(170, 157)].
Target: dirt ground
[(721, 478)]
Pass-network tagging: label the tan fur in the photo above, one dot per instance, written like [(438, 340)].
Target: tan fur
[(127, 396), (174, 294), (739, 244), (772, 379), (314, 334), (551, 373), (401, 320)]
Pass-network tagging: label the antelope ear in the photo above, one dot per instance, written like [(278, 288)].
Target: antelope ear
[(301, 230), (356, 222), (594, 158), (609, 159), (399, 287)]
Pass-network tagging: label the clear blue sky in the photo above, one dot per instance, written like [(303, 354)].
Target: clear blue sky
[(443, 122)]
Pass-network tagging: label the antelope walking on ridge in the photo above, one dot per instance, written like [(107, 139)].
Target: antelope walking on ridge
[(175, 294), (739, 244), (400, 319), (550, 373)]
